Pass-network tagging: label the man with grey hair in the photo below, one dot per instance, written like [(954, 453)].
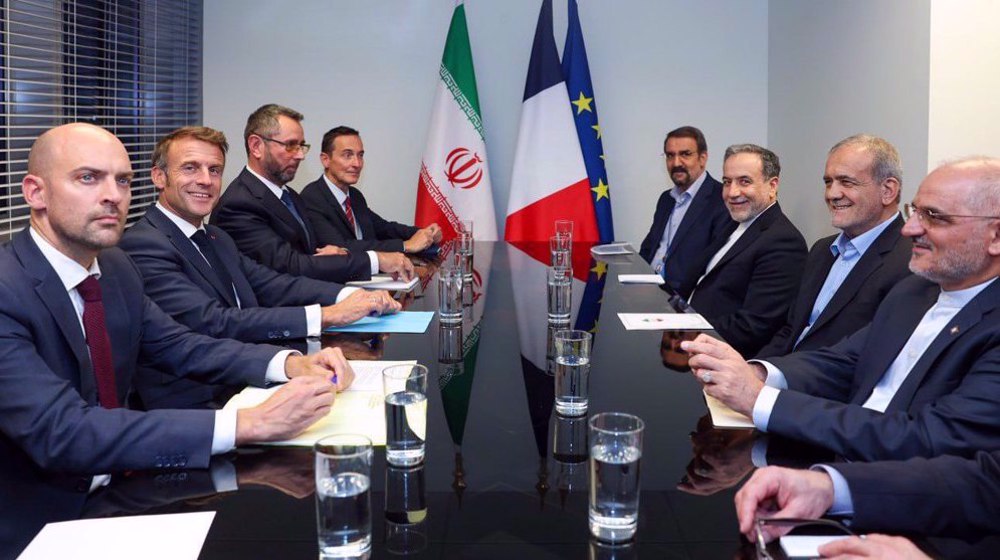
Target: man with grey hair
[(923, 379), (745, 287), (847, 275), (268, 220)]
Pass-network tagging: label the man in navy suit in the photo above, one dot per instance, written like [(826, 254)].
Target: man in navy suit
[(74, 321), (340, 213), (943, 496), (195, 273), (923, 379), (747, 280), (690, 217), (268, 220), (847, 275)]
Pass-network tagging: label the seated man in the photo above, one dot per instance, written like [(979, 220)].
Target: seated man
[(943, 496), (848, 275), (690, 217), (923, 378), (74, 321), (195, 273), (268, 220), (745, 287), (340, 213)]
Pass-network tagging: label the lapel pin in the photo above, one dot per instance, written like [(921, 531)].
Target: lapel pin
[(954, 330)]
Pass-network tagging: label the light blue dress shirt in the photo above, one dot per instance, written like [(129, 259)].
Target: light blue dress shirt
[(682, 201)]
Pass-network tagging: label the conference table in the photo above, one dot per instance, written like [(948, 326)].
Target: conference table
[(504, 476)]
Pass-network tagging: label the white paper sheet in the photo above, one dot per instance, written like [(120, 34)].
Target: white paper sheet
[(725, 417), (613, 249), (805, 546), (663, 321), (640, 279), (176, 536), (382, 282)]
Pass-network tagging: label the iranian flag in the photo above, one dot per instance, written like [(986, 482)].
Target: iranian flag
[(454, 179)]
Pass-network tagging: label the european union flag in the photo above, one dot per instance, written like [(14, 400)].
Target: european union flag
[(588, 129)]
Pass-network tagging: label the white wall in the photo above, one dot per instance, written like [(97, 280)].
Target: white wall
[(964, 80), (656, 64), (837, 69)]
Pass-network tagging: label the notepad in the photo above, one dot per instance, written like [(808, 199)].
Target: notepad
[(725, 417), (402, 322), (663, 321), (806, 546), (640, 279), (358, 410), (381, 282), (613, 249), (175, 536)]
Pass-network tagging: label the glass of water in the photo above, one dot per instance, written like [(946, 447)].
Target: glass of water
[(405, 414), (572, 372), (564, 228), (450, 295), (560, 294), (615, 450), (561, 251), (343, 499)]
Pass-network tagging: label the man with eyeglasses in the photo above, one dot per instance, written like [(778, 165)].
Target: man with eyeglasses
[(943, 496), (340, 212), (745, 283), (847, 275), (923, 379), (690, 217), (268, 220)]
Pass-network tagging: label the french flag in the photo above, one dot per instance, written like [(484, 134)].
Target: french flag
[(549, 180)]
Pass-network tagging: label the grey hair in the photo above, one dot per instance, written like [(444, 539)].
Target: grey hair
[(769, 160), (885, 158), (264, 121)]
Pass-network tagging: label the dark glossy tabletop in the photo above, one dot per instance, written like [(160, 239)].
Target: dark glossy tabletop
[(492, 484)]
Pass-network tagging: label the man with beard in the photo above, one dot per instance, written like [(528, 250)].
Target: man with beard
[(923, 379), (268, 220), (750, 277), (690, 217)]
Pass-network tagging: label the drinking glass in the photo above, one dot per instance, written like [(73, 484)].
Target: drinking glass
[(615, 451), (560, 251), (405, 413), (343, 498), (572, 372), (560, 294), (450, 295)]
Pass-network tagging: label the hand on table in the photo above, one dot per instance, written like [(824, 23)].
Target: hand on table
[(780, 492), (725, 374)]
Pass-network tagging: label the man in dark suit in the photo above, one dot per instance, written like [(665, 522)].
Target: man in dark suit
[(690, 217), (340, 213), (942, 496), (74, 321), (923, 379), (848, 275), (268, 220), (747, 280), (195, 273)]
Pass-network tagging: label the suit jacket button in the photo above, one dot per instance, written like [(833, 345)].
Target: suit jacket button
[(288, 333)]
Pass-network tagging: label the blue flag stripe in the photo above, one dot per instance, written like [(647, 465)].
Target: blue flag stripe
[(543, 67)]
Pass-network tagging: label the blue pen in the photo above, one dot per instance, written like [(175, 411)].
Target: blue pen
[(333, 378)]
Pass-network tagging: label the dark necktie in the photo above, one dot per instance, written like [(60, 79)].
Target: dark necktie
[(98, 342), (286, 199), (350, 216), (201, 239)]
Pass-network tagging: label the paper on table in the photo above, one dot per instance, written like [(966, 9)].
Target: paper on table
[(725, 417), (663, 321), (613, 249), (174, 536), (402, 322), (382, 282), (358, 410), (806, 546), (640, 279)]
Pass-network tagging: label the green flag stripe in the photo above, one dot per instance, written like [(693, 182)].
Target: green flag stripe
[(463, 102), (456, 66)]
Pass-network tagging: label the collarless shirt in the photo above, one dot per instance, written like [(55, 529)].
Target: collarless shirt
[(733, 238), (341, 197), (682, 202), (846, 252)]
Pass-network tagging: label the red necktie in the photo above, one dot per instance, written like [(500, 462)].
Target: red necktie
[(98, 342), (350, 215)]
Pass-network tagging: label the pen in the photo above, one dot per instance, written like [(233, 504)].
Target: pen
[(333, 378)]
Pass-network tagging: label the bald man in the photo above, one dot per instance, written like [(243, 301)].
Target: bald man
[(74, 320)]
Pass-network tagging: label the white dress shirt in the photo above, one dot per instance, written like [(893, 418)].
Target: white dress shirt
[(276, 191), (733, 238), (341, 197)]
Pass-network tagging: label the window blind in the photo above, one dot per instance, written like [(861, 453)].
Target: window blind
[(131, 66)]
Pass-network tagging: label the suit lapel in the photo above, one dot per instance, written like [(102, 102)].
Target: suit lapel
[(187, 249), (339, 209), (891, 340), (361, 216), (698, 206), (810, 291), (277, 208), (53, 295), (755, 230), (972, 313)]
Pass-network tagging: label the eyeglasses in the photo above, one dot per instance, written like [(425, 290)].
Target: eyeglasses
[(933, 218), (763, 554), (290, 147)]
